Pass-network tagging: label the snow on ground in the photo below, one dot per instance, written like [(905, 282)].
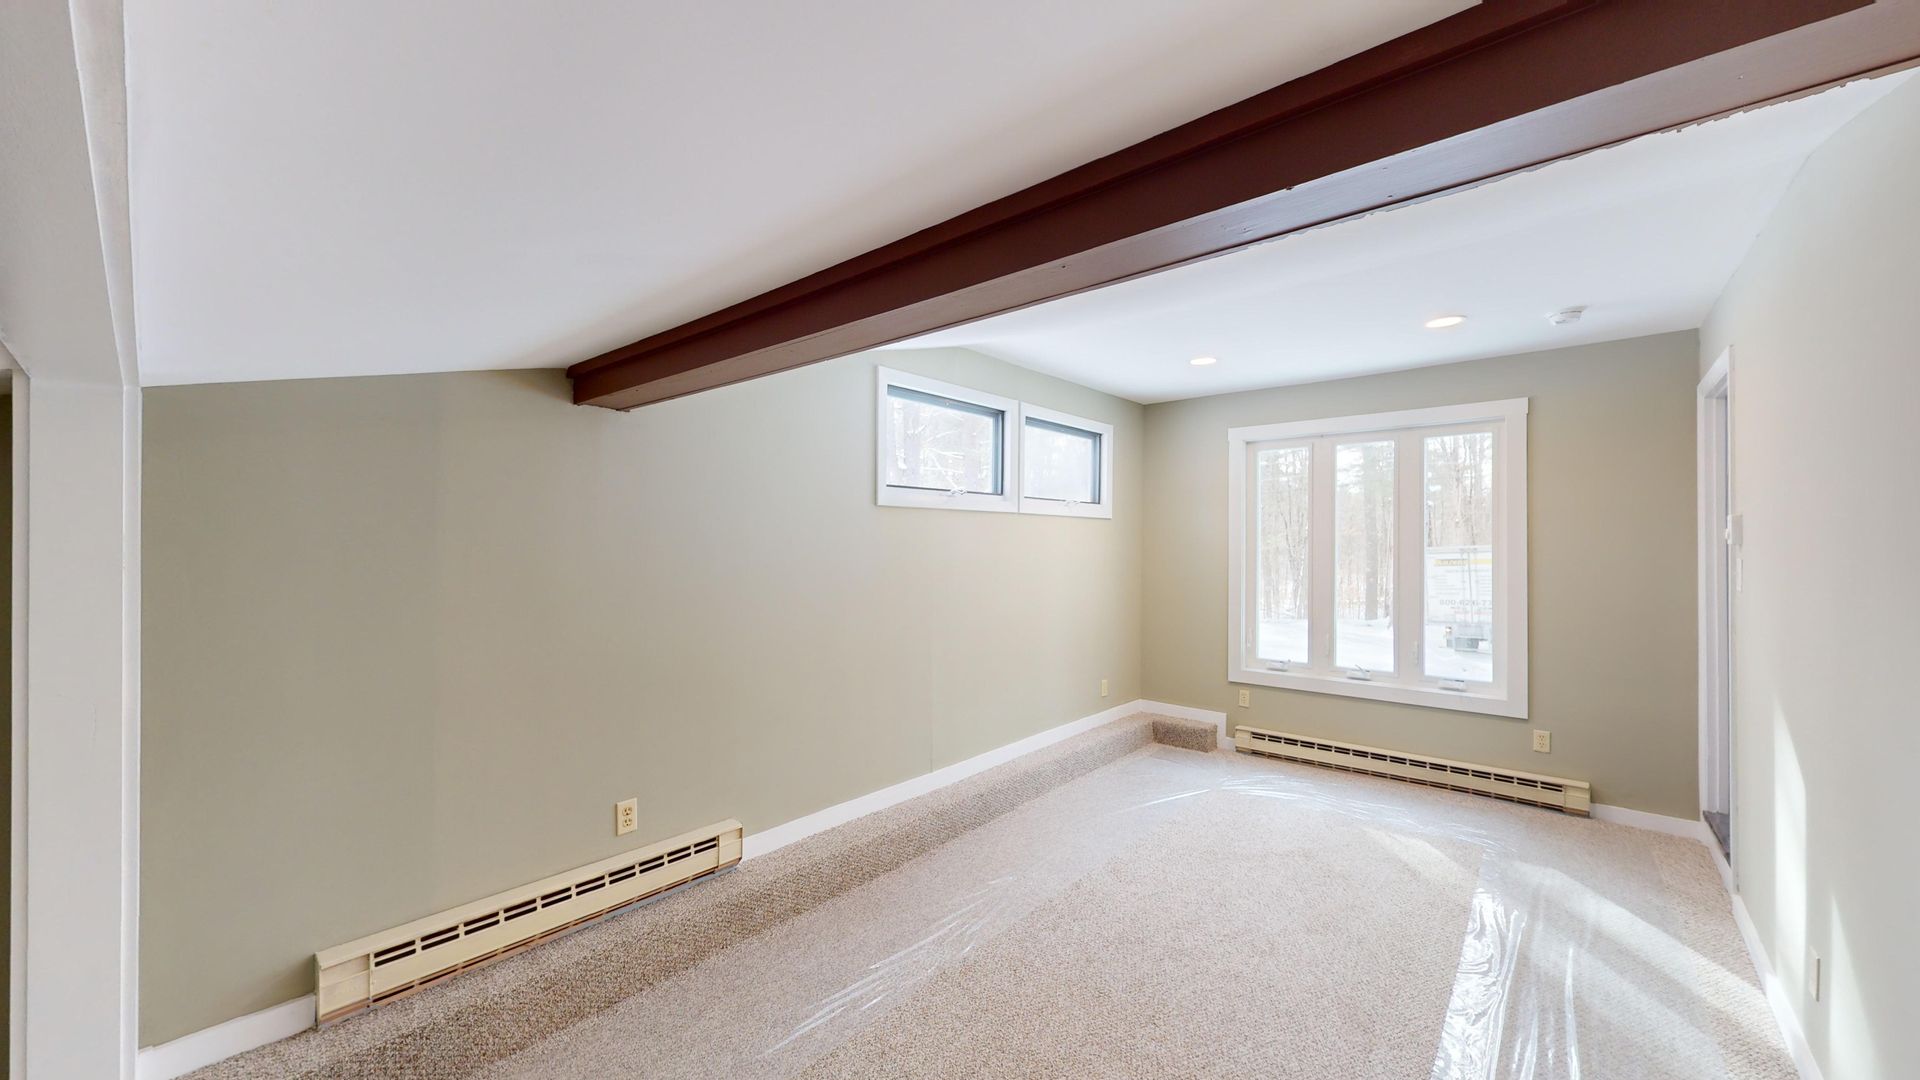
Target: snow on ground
[(1369, 644)]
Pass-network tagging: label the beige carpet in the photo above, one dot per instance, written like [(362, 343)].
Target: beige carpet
[(1156, 913)]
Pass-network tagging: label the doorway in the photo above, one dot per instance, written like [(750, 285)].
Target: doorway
[(1719, 538)]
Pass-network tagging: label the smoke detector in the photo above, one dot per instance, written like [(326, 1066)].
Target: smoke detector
[(1567, 316)]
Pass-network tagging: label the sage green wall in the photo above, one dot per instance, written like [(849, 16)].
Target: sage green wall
[(1826, 439), (408, 639), (1610, 458)]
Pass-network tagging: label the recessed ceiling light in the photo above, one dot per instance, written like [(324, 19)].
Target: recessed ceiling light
[(1445, 321), (1203, 361)]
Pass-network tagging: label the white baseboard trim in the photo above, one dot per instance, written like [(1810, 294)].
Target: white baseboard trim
[(1660, 823), (222, 1041), (1188, 712), (1777, 1000), (770, 840), (1783, 1014)]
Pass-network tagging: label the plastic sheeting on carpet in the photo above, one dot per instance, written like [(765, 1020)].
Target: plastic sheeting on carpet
[(1214, 915)]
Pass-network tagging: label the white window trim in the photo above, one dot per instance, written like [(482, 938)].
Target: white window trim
[(887, 495), (1100, 509), (1408, 685)]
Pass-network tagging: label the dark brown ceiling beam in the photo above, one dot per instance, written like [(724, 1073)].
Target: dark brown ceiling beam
[(1501, 86)]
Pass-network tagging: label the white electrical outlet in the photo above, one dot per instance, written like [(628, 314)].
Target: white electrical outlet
[(1246, 698), (1813, 978), (1103, 688), (626, 816), (1543, 742)]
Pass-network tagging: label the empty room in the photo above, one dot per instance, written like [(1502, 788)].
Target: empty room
[(1231, 539)]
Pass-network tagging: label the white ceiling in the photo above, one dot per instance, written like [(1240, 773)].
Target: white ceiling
[(1645, 234), (364, 187)]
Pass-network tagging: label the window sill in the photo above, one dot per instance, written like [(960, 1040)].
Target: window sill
[(1486, 702)]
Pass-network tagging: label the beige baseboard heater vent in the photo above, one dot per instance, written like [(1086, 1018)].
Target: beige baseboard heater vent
[(1553, 792), (387, 965)]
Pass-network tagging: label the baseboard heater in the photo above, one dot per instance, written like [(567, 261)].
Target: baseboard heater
[(1553, 792), (380, 967)]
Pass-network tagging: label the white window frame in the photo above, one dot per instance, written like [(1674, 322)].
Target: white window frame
[(1103, 508), (1007, 501), (1409, 685)]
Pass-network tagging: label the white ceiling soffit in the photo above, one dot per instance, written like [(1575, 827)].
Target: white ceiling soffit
[(56, 317), (1645, 235), (360, 187)]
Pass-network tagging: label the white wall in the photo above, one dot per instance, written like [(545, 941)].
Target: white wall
[(75, 717), (1826, 434), (77, 824)]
